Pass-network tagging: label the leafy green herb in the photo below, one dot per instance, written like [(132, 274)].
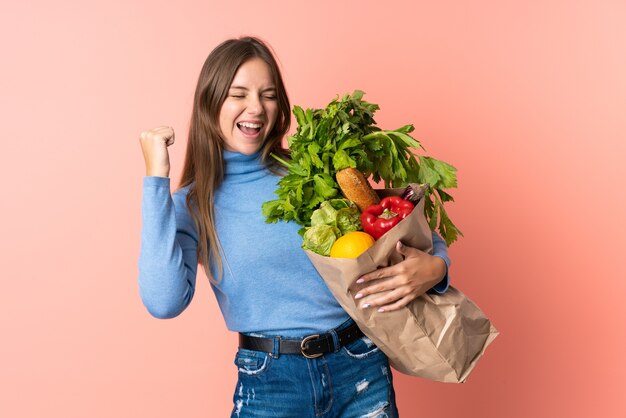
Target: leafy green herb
[(344, 134)]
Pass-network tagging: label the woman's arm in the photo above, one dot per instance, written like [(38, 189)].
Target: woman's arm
[(440, 249), (168, 258)]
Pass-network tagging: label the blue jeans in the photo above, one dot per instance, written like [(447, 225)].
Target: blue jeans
[(354, 381)]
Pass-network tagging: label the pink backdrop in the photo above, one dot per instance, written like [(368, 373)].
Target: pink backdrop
[(527, 99)]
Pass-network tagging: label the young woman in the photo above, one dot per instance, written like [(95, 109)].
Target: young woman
[(300, 354)]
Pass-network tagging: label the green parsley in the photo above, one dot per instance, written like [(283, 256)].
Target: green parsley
[(344, 134)]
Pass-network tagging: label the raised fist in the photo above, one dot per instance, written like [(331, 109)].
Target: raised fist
[(154, 145)]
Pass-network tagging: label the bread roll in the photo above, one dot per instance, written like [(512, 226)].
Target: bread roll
[(356, 188)]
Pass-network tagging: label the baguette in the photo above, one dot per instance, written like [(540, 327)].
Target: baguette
[(356, 188)]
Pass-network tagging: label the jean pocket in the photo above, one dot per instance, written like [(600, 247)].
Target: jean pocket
[(361, 348), (251, 362)]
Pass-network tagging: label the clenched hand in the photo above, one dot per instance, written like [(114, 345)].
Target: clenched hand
[(154, 145)]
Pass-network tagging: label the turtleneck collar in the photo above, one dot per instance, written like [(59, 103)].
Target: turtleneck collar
[(241, 167)]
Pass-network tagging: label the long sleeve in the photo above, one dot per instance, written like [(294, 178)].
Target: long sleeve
[(168, 258), (440, 249)]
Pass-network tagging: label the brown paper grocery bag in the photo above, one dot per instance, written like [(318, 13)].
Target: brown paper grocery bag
[(437, 337)]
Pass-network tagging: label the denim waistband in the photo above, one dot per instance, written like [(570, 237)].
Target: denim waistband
[(311, 346)]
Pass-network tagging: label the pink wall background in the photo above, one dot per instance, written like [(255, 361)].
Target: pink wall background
[(526, 99)]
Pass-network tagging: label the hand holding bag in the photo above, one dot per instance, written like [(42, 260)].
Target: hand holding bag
[(437, 337)]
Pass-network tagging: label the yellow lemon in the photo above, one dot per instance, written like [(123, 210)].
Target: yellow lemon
[(351, 245)]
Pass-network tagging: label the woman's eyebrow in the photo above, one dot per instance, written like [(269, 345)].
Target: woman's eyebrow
[(246, 89)]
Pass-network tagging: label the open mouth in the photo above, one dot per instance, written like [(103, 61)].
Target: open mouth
[(250, 128)]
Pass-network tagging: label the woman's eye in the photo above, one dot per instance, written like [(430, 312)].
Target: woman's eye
[(237, 96), (269, 97)]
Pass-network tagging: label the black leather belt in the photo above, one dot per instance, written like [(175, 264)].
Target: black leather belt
[(310, 347)]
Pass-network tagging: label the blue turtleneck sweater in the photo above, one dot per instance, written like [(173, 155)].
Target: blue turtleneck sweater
[(269, 285)]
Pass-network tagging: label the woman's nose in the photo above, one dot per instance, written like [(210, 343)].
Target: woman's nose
[(255, 106)]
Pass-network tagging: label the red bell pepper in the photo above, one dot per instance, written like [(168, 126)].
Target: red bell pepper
[(380, 218)]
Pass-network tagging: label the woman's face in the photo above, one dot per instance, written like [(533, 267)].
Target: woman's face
[(250, 109)]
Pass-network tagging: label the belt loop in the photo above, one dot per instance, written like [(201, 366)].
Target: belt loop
[(336, 345), (276, 349)]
